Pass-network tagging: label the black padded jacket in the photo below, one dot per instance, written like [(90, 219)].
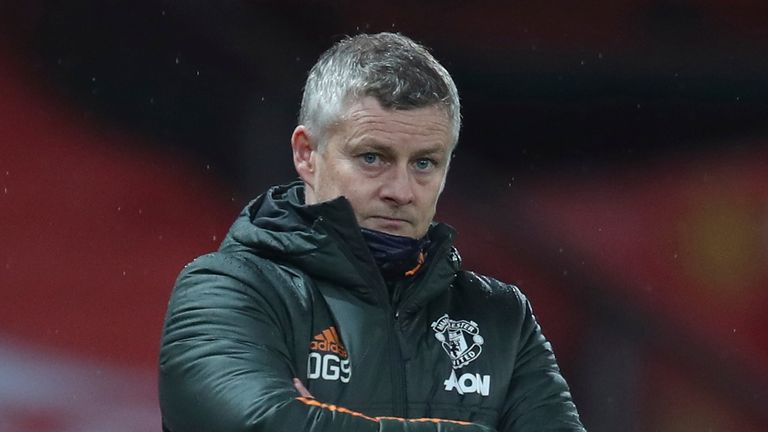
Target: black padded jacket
[(293, 292)]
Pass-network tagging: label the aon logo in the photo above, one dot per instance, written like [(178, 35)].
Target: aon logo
[(328, 367), (469, 383)]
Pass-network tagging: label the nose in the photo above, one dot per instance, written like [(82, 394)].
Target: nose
[(398, 186)]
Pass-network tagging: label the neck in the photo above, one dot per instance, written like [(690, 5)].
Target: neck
[(396, 256)]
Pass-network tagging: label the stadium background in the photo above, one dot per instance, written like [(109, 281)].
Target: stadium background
[(613, 163)]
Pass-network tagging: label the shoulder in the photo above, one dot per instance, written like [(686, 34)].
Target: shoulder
[(490, 294), (240, 273), (222, 265), (488, 287)]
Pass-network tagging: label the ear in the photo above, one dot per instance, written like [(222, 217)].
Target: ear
[(303, 154)]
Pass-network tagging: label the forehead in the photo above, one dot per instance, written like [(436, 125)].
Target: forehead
[(366, 120)]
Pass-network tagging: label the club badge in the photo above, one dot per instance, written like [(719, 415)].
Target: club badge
[(461, 340)]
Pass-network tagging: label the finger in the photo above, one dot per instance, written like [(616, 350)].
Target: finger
[(301, 389)]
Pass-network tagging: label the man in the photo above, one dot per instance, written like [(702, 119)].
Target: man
[(336, 303)]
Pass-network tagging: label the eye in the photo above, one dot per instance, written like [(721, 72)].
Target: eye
[(424, 164), (369, 158)]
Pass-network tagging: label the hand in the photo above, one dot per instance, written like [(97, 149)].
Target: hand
[(302, 390)]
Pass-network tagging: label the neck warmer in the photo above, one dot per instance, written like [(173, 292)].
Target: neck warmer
[(396, 256)]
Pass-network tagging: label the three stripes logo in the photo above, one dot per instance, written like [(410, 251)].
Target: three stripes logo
[(328, 341), (328, 358)]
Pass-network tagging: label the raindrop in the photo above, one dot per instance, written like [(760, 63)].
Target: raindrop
[(197, 72), (177, 60), (583, 62), (93, 79), (214, 237), (5, 190), (600, 55)]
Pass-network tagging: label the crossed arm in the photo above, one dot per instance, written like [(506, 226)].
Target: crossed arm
[(224, 366)]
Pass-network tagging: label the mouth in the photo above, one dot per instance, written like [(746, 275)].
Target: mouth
[(389, 219)]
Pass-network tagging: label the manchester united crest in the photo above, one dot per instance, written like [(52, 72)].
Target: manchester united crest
[(461, 340)]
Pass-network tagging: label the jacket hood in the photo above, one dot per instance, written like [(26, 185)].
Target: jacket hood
[(274, 223), (323, 239), (279, 226)]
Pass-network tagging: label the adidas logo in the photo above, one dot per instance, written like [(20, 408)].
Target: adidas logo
[(328, 341), (328, 359)]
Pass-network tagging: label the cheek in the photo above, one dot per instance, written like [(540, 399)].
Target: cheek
[(430, 192), (343, 180), (360, 192)]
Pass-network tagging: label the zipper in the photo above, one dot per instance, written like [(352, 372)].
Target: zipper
[(397, 306), (399, 392), (439, 251)]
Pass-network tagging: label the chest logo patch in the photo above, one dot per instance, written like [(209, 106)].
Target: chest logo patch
[(328, 340), (328, 359), (460, 339)]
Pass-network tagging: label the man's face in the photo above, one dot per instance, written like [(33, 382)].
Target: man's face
[(390, 164)]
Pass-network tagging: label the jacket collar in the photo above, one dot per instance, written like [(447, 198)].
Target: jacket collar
[(324, 240)]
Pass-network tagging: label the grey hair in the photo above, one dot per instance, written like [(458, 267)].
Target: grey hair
[(392, 68)]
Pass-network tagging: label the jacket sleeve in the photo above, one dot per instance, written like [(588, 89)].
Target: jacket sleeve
[(539, 398), (225, 364)]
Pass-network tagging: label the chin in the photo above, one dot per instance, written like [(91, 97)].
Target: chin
[(389, 228), (399, 232), (398, 227)]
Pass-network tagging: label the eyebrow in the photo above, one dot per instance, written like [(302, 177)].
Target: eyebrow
[(436, 149)]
